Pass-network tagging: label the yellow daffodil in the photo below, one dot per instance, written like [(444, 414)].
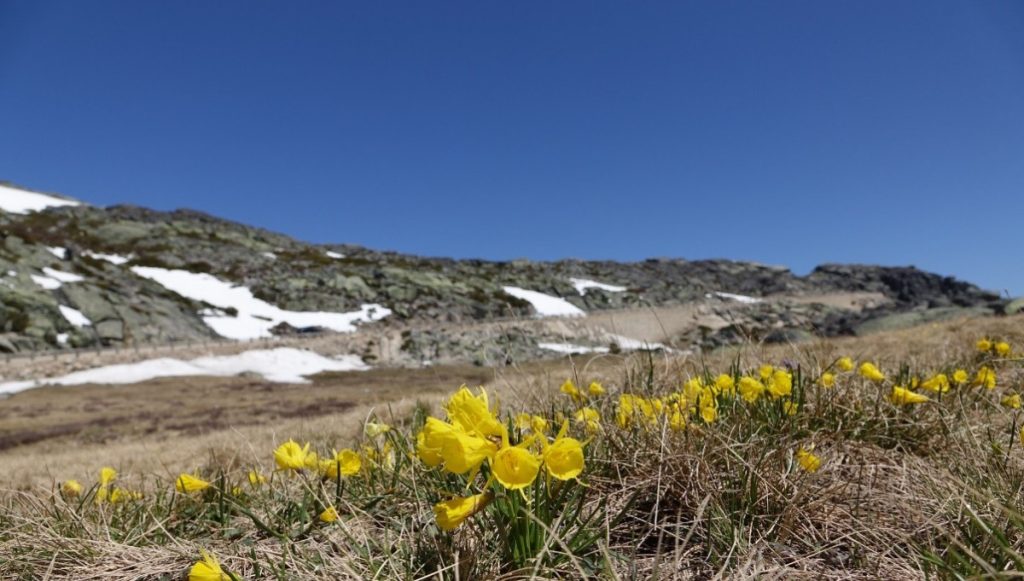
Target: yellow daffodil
[(188, 483), (1011, 401), (329, 515), (766, 371), (563, 458), (709, 414), (1002, 348), (677, 420), (122, 495), (256, 479), (986, 378), (452, 513), (750, 389), (473, 415), (464, 453), (845, 364), (538, 425), (808, 460), (780, 384), (292, 456), (595, 389), (515, 467), (71, 488), (347, 463), (725, 385), (937, 383), (868, 370), (207, 569), (591, 418), (430, 440), (523, 421), (374, 429), (828, 379), (790, 407), (960, 376), (569, 388), (107, 475), (983, 345), (903, 396)]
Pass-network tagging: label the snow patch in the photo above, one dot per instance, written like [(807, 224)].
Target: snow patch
[(61, 275), (45, 282), (570, 348), (270, 255), (62, 338), (281, 365), (255, 317), (74, 316), (58, 251), (111, 258), (583, 284), (546, 305), (18, 201), (629, 344), (738, 298), (335, 255)]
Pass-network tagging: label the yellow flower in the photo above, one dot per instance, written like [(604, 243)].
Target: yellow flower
[(329, 515), (450, 514), (626, 411), (591, 418), (107, 475), (709, 414), (122, 495), (766, 372), (780, 384), (960, 376), (539, 425), (828, 379), (750, 389), (983, 345), (870, 371), (292, 456), (807, 460), (1011, 401), (569, 388), (937, 383), (347, 460), (595, 389), (374, 429), (523, 421), (189, 483), (71, 488), (986, 378), (1002, 348), (472, 414), (564, 458), (515, 467), (902, 396), (845, 364), (791, 408), (464, 453), (430, 440), (676, 420), (207, 569), (256, 479), (725, 384)]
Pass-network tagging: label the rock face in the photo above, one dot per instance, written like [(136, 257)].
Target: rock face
[(126, 309)]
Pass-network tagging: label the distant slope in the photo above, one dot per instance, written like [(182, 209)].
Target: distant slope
[(115, 266)]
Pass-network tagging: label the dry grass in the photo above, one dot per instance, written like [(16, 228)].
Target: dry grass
[(902, 494)]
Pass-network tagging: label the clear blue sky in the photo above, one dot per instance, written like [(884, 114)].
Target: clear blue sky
[(784, 132)]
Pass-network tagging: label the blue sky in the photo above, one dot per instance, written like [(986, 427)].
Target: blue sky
[(785, 132)]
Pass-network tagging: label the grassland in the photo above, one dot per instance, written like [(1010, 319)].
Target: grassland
[(902, 491)]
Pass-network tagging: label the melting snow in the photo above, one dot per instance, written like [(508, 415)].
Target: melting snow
[(255, 317), (270, 255), (738, 298), (45, 281), (332, 254), (62, 338), (112, 258), (569, 348), (54, 278), (18, 201), (74, 316), (583, 284), (58, 251), (282, 365), (546, 305), (629, 344)]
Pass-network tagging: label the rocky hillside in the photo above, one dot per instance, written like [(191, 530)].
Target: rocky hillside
[(77, 276)]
